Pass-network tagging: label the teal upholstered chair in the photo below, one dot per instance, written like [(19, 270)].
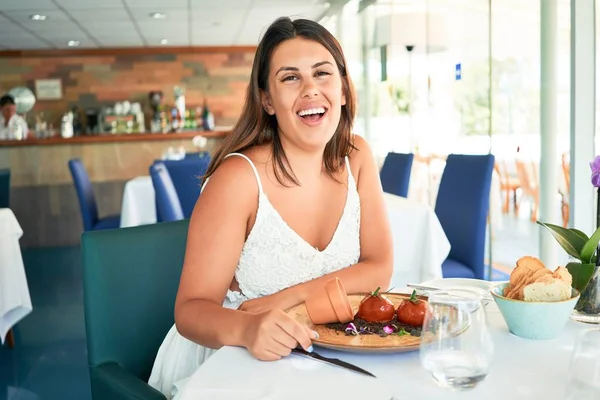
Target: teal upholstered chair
[(130, 280)]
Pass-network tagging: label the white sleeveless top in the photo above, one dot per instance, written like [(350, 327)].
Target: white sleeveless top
[(275, 257)]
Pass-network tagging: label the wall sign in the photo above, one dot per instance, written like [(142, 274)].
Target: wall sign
[(48, 89)]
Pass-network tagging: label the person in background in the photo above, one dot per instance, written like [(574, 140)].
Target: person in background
[(291, 200), (8, 113)]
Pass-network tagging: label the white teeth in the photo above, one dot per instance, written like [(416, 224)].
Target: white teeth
[(310, 111)]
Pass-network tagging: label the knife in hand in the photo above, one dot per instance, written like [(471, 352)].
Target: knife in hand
[(333, 361)]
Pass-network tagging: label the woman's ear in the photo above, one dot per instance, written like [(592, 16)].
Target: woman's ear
[(266, 102), (343, 98)]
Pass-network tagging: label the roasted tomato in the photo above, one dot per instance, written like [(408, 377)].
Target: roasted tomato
[(412, 311), (376, 308)]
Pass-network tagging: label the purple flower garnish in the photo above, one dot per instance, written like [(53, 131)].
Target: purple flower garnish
[(388, 329), (595, 166), (351, 329)]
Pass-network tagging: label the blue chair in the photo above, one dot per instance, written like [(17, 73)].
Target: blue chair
[(395, 173), (462, 207), (186, 175), (87, 200), (4, 188), (168, 207)]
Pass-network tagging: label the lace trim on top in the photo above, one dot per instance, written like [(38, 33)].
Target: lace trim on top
[(275, 257)]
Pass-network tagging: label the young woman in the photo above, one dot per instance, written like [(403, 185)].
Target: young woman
[(291, 200)]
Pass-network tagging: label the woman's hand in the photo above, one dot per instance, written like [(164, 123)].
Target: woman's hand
[(277, 301), (270, 335)]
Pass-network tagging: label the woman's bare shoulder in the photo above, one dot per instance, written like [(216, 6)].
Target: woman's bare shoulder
[(361, 155), (233, 181)]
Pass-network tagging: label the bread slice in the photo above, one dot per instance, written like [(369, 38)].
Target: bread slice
[(556, 290), (528, 270), (563, 274)]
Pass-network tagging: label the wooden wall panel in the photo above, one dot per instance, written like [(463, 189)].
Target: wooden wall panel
[(94, 79)]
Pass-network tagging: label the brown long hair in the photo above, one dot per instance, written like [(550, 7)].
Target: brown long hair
[(256, 127)]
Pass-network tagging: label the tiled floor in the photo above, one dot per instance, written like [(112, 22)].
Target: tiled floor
[(49, 361)]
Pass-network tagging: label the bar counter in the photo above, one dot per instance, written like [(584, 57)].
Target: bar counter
[(112, 138), (43, 197)]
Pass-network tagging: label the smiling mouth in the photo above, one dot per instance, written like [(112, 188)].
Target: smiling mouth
[(312, 114)]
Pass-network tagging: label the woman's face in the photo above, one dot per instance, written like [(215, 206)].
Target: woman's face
[(305, 93)]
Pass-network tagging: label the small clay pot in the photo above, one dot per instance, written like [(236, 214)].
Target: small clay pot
[(329, 304)]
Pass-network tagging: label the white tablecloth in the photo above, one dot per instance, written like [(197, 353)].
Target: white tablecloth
[(521, 369), (420, 245), (139, 205), (15, 302)]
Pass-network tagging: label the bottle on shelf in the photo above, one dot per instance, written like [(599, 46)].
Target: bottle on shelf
[(208, 119)]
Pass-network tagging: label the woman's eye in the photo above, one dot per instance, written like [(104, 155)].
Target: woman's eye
[(289, 78), (322, 73)]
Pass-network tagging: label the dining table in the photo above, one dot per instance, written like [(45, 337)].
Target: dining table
[(15, 301), (419, 242), (520, 369)]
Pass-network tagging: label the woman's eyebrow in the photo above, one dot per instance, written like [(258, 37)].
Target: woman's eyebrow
[(295, 69)]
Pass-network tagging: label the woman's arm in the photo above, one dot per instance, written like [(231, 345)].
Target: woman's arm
[(375, 265), (215, 239)]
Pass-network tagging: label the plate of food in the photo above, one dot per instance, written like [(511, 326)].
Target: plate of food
[(382, 323)]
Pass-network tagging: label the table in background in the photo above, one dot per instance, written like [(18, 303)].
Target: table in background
[(139, 204), (420, 244), (15, 301)]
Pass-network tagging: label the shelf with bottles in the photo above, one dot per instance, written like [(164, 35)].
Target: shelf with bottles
[(193, 119)]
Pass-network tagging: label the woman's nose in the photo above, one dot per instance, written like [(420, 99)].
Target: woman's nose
[(310, 89)]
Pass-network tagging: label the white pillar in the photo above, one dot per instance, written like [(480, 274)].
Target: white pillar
[(583, 114), (339, 26), (366, 35), (549, 205)]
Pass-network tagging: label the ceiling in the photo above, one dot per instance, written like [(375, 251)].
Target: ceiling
[(128, 23)]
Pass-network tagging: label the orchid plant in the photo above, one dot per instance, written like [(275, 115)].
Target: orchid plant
[(577, 244)]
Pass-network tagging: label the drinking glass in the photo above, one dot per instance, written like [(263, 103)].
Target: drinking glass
[(456, 346), (584, 372)]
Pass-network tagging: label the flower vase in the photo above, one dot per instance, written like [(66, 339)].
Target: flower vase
[(587, 308)]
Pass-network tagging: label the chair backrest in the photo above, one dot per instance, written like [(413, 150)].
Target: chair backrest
[(185, 175), (130, 280), (85, 194), (462, 206), (395, 173), (197, 154), (4, 188), (168, 207)]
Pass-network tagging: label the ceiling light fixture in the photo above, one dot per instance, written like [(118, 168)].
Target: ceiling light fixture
[(37, 17), (164, 41), (73, 43), (158, 15)]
